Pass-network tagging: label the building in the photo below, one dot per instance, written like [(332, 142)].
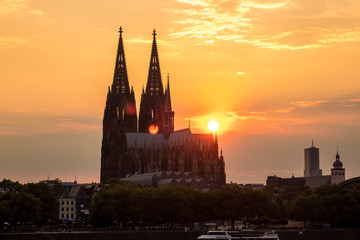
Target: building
[(337, 172), (312, 162), (313, 177), (150, 144), (75, 201)]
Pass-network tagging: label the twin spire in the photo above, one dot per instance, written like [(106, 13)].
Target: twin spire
[(154, 84), (155, 105)]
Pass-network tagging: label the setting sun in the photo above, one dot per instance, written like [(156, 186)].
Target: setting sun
[(213, 126)]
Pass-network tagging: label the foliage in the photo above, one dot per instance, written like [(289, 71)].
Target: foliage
[(121, 204), (32, 202), (47, 199), (331, 204)]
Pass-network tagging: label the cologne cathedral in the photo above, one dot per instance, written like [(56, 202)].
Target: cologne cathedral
[(148, 143)]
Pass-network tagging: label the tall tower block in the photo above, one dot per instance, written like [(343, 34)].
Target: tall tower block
[(311, 155)]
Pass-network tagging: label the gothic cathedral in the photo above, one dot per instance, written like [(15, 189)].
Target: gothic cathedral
[(129, 146)]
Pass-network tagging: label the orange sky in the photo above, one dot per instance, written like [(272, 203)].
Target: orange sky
[(275, 74)]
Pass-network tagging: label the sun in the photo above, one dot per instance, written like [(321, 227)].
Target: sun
[(213, 126)]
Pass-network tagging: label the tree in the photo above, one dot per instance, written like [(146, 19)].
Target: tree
[(230, 202), (307, 207), (26, 208), (47, 198)]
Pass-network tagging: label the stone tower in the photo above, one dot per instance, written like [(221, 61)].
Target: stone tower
[(155, 105), (119, 117), (337, 172)]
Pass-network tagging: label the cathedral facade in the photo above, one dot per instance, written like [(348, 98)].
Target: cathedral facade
[(148, 143)]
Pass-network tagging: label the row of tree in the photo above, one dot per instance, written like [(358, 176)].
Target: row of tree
[(332, 204), (120, 203)]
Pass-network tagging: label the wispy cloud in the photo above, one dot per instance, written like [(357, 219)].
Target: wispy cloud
[(301, 104), (309, 38), (18, 6), (297, 116), (8, 41), (242, 21), (149, 41)]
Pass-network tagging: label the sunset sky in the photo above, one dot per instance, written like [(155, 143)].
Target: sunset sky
[(275, 75)]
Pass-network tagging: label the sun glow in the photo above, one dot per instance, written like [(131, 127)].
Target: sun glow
[(153, 129), (213, 126)]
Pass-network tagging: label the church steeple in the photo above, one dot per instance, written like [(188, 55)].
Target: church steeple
[(153, 98), (154, 84), (120, 83)]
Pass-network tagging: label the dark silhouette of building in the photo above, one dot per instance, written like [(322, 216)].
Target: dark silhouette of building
[(127, 150), (312, 162), (155, 106), (313, 175)]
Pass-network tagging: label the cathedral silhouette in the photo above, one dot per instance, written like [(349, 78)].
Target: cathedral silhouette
[(150, 144)]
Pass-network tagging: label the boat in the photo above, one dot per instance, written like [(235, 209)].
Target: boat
[(210, 235), (271, 235), (217, 235)]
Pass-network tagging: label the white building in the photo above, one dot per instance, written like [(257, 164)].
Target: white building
[(337, 172), (67, 204)]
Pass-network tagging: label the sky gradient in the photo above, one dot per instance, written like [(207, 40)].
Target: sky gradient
[(275, 74)]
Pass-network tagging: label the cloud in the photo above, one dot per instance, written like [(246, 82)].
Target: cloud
[(17, 6), (8, 41), (261, 23), (344, 103), (149, 41), (322, 116), (310, 38)]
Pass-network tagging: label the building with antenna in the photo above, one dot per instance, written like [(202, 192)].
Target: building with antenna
[(149, 144), (312, 162)]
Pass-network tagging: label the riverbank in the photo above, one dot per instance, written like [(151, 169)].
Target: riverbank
[(336, 234)]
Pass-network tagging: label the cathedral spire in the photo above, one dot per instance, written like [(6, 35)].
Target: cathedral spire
[(121, 83), (154, 84)]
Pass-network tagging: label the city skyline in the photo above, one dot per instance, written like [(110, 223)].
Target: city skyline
[(274, 74)]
